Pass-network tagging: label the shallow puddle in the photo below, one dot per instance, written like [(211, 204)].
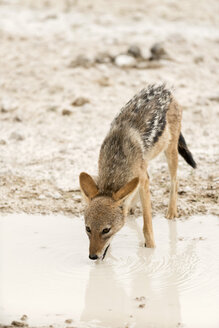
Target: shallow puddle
[(45, 273)]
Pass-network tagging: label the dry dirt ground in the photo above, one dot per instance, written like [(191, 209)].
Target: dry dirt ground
[(48, 136)]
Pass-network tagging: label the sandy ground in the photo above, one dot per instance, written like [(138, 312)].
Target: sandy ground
[(46, 140)]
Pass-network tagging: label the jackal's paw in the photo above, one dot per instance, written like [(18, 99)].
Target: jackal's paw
[(149, 243), (171, 213)]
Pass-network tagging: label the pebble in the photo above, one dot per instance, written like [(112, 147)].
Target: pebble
[(82, 61), (125, 61), (56, 195), (214, 98), (134, 51), (68, 321), (80, 101), (104, 81), (157, 51), (103, 58), (66, 112), (41, 196), (19, 324), (141, 298), (3, 142), (17, 119), (141, 306), (77, 199), (16, 136), (24, 317)]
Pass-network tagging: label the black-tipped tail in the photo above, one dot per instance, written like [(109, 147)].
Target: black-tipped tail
[(184, 152)]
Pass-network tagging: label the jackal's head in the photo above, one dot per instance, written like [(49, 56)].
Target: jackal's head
[(104, 215)]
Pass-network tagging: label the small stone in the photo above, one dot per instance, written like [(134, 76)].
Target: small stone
[(68, 321), (52, 108), (16, 136), (42, 197), (3, 142), (80, 101), (198, 59), (216, 98), (24, 317), (140, 299), (66, 112), (141, 306), (56, 195), (125, 61), (17, 119), (82, 61), (103, 58), (157, 52), (104, 82), (134, 51), (77, 199), (19, 324)]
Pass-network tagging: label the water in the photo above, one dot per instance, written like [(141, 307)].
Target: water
[(45, 273)]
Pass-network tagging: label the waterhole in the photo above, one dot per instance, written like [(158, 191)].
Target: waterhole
[(46, 274)]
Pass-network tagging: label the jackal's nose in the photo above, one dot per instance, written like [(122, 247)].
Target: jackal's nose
[(93, 257)]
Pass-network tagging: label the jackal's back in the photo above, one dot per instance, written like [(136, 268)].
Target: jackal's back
[(133, 132), (146, 112)]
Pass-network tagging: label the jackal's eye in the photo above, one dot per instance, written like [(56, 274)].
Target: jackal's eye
[(106, 230), (88, 229)]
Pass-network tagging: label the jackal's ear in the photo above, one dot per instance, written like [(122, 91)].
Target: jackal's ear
[(88, 186), (126, 190)]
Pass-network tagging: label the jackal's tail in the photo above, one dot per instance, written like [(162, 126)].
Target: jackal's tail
[(184, 151)]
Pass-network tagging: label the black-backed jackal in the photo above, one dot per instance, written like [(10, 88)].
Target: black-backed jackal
[(147, 125)]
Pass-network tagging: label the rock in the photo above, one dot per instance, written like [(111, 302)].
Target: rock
[(3, 142), (214, 98), (17, 119), (141, 306), (134, 51), (52, 108), (157, 52), (104, 81), (16, 136), (41, 196), (77, 199), (125, 61), (24, 317), (68, 321), (104, 58), (82, 61), (66, 112), (198, 59), (56, 195), (19, 324), (80, 101), (140, 299)]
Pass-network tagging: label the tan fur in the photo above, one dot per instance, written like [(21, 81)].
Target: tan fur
[(123, 162)]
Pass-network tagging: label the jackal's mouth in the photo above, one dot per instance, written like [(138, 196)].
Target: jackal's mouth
[(104, 254)]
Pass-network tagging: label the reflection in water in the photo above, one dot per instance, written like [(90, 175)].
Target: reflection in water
[(114, 298)]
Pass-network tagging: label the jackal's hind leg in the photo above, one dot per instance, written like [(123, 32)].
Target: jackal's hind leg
[(146, 207), (172, 160)]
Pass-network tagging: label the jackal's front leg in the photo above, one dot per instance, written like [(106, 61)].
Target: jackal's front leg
[(146, 207)]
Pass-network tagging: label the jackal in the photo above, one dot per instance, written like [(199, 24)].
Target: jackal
[(147, 125)]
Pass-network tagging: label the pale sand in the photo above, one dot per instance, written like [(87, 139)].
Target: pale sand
[(43, 152), (45, 273)]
